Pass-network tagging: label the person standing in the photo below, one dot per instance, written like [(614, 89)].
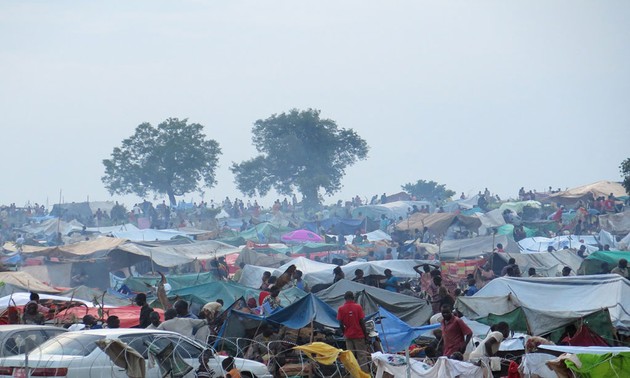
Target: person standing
[(490, 345), (455, 332), (145, 310), (352, 323)]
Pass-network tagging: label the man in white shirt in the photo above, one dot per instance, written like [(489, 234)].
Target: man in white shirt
[(193, 328), (490, 345)]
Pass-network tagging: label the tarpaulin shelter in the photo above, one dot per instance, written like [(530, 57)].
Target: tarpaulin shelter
[(251, 257), (49, 228), (94, 248), (264, 233), (396, 335), (618, 224), (21, 281), (414, 311), (229, 292), (518, 206), (149, 234), (552, 298), (346, 226), (491, 219), (171, 255), (400, 268), (547, 264), (301, 236), (437, 223), (391, 210), (596, 189), (458, 249), (593, 262), (540, 244), (301, 313), (177, 281)]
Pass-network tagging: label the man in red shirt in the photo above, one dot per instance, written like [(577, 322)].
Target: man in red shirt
[(352, 324), (455, 333)]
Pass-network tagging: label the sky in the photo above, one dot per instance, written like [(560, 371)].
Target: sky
[(471, 94)]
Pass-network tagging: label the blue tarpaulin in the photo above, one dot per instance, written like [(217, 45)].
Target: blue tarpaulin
[(395, 334), (303, 311)]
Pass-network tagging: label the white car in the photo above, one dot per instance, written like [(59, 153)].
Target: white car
[(76, 355)]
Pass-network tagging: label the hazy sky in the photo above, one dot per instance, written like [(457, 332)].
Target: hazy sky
[(468, 93)]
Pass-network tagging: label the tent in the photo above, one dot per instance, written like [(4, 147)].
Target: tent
[(396, 335), (340, 225), (49, 228), (540, 244), (547, 264), (128, 315), (171, 255), (94, 248), (149, 234), (437, 223), (400, 268), (301, 236), (252, 257), (392, 210), (21, 281), (517, 207), (304, 311), (550, 299), (597, 189), (592, 263), (414, 311), (458, 249), (616, 223)]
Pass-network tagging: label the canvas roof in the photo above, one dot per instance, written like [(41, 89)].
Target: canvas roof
[(391, 210), (458, 249), (413, 311), (616, 223), (599, 188), (26, 282), (50, 227), (437, 223), (571, 296), (547, 264), (173, 255), (83, 248)]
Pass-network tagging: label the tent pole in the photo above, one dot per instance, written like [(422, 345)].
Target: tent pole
[(312, 330)]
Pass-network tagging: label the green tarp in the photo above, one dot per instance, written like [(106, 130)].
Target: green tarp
[(515, 318), (179, 281), (598, 322), (229, 292), (592, 263), (508, 229), (602, 365)]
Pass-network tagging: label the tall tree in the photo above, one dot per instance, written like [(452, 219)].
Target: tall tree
[(172, 159), (299, 151), (624, 167), (428, 190)]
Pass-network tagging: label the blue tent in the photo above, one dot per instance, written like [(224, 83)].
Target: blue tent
[(341, 225), (303, 312), (395, 334)]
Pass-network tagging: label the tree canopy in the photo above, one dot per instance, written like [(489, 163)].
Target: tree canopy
[(172, 159), (299, 151), (624, 167), (428, 190)]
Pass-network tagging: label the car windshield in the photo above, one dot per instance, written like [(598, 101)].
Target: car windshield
[(70, 344)]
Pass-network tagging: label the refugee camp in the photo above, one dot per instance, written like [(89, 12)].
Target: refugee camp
[(329, 189)]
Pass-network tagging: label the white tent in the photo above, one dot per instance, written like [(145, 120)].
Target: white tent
[(20, 299), (148, 234), (554, 298)]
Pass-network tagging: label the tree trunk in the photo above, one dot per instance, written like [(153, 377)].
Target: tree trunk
[(310, 198), (171, 198)]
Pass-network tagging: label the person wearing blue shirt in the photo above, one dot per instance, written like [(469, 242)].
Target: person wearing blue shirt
[(472, 288), (391, 282)]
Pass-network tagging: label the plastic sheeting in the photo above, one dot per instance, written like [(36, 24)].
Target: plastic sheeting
[(304, 311), (469, 248), (397, 366), (413, 311), (547, 264), (396, 335), (149, 234), (540, 244), (392, 210), (558, 295), (616, 223), (173, 255)]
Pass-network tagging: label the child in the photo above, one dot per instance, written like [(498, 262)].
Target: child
[(230, 370), (204, 370), (472, 288)]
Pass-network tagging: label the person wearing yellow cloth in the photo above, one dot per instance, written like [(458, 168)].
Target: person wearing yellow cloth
[(327, 354)]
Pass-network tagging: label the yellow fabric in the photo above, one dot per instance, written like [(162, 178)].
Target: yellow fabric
[(326, 354), (320, 352), (350, 363)]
